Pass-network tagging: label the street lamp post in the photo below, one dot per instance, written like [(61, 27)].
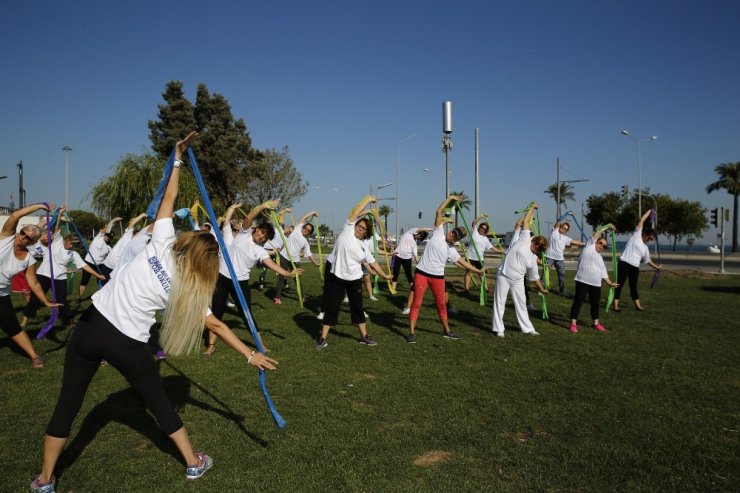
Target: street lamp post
[(379, 188), (436, 183), (639, 166), (66, 150), (398, 181)]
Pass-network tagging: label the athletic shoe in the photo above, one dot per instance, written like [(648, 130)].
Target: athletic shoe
[(532, 333), (406, 311), (38, 487), (345, 300), (261, 287), (451, 335), (160, 354), (373, 298), (277, 301), (498, 334), (573, 329), (531, 308), (321, 343), (365, 313), (320, 316), (368, 341), (451, 309), (199, 469), (600, 327), (230, 304), (305, 298), (411, 339)]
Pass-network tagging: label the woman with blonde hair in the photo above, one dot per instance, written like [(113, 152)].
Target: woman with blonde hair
[(174, 274)]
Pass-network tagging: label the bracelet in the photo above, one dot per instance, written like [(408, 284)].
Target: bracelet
[(177, 163), (249, 359)]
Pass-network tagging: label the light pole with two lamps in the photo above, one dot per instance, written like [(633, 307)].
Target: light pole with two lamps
[(639, 167)]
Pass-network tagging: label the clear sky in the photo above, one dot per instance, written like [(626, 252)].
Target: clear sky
[(343, 83)]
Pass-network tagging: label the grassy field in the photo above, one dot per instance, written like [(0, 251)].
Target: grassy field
[(651, 405)]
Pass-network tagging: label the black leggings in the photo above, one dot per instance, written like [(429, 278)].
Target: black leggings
[(93, 340), (60, 286), (630, 272), (8, 319), (334, 291), (399, 262), (594, 296), (101, 268), (224, 288)]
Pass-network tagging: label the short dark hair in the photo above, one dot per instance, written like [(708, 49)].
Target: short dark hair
[(268, 229), (421, 235), (368, 228), (460, 232), (309, 225)]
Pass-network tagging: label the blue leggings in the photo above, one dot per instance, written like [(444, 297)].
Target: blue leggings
[(93, 340)]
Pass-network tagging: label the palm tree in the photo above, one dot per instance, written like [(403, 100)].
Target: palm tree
[(465, 203), (729, 179), (566, 193), (385, 211)]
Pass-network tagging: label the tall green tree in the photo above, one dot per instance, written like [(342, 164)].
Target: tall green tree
[(729, 180), (566, 193), (130, 188), (385, 210), (464, 203), (273, 176), (678, 218), (224, 147)]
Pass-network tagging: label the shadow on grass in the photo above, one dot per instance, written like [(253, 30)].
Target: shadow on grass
[(721, 289)]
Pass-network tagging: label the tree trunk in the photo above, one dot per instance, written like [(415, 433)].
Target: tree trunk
[(734, 224)]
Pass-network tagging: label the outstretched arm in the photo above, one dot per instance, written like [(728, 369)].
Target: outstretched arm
[(134, 220), (468, 266), (12, 223), (223, 331), (600, 230), (359, 210), (644, 218), (229, 213), (113, 221), (308, 217), (439, 219), (529, 215), (254, 213), (167, 206)]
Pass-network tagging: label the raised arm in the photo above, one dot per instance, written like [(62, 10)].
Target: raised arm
[(529, 215), (308, 217), (477, 220), (254, 213), (134, 220), (12, 223), (600, 230), (113, 221), (167, 206), (359, 210), (644, 218), (439, 219), (229, 213)]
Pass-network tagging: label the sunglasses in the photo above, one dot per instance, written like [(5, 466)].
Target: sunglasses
[(601, 244)]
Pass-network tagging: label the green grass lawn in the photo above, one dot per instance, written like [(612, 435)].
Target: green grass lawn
[(651, 405)]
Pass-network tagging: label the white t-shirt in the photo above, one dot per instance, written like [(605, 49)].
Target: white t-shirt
[(141, 287), (132, 249), (557, 245), (111, 261), (636, 251), (437, 253), (295, 244), (349, 253), (98, 250), (10, 265), (591, 267), (244, 253), (60, 258), (407, 247), (520, 259), (480, 241)]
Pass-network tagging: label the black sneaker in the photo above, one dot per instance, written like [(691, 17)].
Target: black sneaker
[(411, 339), (321, 343), (451, 309), (368, 341), (451, 335)]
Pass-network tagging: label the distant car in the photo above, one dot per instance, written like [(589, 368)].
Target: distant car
[(713, 249)]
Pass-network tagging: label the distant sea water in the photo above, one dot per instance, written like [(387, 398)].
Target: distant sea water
[(667, 246)]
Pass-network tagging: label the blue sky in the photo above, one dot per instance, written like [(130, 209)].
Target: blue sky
[(343, 83)]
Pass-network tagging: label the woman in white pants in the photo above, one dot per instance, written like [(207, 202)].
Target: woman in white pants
[(520, 260)]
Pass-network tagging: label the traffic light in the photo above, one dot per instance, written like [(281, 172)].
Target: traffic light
[(713, 215), (625, 191), (419, 215)]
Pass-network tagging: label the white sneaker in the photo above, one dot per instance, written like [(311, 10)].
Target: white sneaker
[(366, 315), (406, 311), (345, 300), (532, 333), (373, 298), (499, 334), (230, 304), (320, 316)]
